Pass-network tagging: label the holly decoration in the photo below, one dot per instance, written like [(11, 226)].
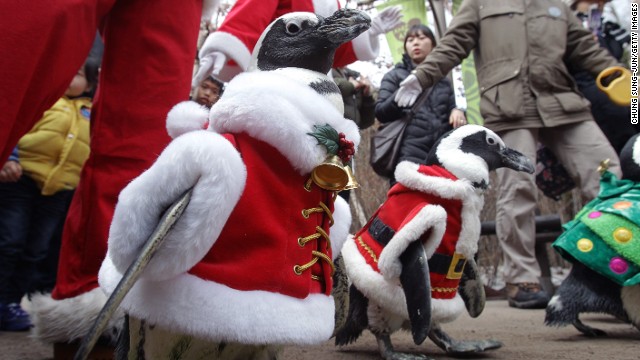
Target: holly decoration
[(335, 143), (346, 149)]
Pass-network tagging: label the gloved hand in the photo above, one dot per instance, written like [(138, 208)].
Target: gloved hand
[(211, 62), (387, 20), (408, 91)]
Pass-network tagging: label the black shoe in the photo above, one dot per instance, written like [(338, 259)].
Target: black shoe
[(527, 296)]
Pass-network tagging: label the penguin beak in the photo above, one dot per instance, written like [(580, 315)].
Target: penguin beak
[(515, 160), (344, 25)]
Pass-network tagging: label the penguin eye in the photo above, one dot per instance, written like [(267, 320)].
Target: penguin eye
[(293, 28), (491, 140)]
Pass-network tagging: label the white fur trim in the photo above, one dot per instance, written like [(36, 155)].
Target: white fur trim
[(366, 47), (228, 44), (431, 217), (209, 7), (201, 159), (461, 189), (341, 224), (407, 174), (271, 107), (631, 302), (389, 294), (70, 319), (185, 117), (325, 7), (216, 312)]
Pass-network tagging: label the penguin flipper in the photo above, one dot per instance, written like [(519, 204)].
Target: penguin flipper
[(416, 285), (357, 319), (472, 289)]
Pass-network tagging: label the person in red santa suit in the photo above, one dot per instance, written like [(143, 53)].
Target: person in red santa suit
[(146, 69), (226, 52)]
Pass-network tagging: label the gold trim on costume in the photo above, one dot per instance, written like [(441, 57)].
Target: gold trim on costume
[(452, 273), (442, 290), (368, 249), (321, 208)]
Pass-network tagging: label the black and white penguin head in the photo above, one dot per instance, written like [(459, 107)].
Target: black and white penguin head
[(302, 45), (471, 151), (630, 159), (306, 40)]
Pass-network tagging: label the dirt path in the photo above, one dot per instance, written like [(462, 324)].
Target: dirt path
[(522, 332)]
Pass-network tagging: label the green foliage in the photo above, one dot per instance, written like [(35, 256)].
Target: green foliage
[(326, 136)]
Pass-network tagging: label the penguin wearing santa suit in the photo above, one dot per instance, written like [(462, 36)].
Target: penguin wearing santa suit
[(248, 267), (412, 263), (227, 51)]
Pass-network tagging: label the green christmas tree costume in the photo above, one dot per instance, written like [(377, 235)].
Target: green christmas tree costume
[(605, 234)]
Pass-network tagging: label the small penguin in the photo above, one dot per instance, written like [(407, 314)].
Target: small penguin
[(412, 265), (602, 243), (247, 268)]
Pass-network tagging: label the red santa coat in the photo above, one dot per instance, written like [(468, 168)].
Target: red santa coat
[(226, 271), (247, 19), (429, 204)]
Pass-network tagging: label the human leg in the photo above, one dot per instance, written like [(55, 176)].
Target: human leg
[(515, 225), (48, 216), (580, 147), (17, 201), (43, 43), (146, 69)]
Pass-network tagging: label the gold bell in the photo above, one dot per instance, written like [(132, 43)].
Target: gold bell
[(331, 174), (352, 184)]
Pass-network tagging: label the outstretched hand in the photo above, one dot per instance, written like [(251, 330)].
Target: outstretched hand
[(211, 62), (388, 19), (408, 91)]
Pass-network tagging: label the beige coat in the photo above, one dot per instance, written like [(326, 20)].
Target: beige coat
[(520, 43)]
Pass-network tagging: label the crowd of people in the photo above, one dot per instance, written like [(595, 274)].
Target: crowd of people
[(49, 157)]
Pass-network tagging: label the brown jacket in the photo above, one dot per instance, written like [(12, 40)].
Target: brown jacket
[(520, 43)]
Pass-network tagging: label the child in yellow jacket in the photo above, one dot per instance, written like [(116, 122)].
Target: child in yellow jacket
[(36, 187)]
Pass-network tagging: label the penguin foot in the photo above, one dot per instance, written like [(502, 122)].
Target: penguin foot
[(388, 353), (452, 346), (588, 330)]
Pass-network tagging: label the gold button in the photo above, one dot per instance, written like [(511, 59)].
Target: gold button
[(585, 245), (622, 235)]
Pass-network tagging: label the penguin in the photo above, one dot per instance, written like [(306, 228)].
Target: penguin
[(302, 48), (412, 265), (604, 277), (247, 269)]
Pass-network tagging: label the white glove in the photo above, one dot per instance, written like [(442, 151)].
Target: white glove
[(408, 91), (210, 64), (387, 20)]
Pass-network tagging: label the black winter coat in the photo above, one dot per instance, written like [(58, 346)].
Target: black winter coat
[(429, 123)]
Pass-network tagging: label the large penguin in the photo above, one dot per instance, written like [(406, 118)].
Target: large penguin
[(414, 260), (602, 243), (247, 268)]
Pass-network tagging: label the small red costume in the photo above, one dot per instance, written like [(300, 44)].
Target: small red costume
[(428, 204)]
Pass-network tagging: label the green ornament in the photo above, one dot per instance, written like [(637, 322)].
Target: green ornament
[(328, 137)]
